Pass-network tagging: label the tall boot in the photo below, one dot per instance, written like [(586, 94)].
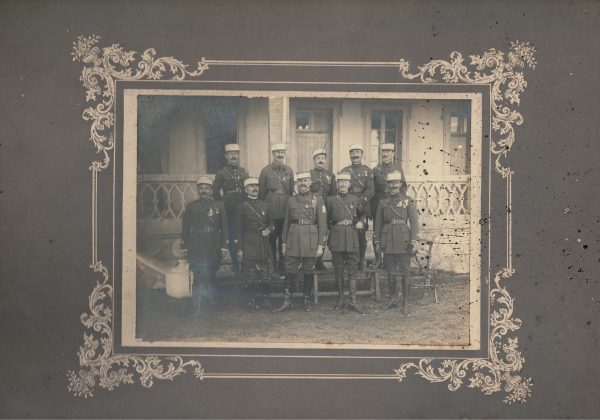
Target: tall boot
[(392, 302), (405, 294), (339, 282), (307, 291), (287, 294), (352, 288)]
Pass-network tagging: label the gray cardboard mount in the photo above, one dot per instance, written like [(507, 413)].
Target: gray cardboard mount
[(45, 190)]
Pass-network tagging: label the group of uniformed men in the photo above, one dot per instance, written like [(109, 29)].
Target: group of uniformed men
[(265, 226)]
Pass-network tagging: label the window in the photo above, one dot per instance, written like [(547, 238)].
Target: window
[(386, 127), (313, 121), (457, 141)]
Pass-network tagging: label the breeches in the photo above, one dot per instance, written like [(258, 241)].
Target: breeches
[(345, 260), (397, 263), (295, 264)]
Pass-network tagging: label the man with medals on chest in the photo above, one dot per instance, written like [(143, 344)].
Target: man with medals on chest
[(253, 227), (323, 184), (362, 187), (276, 186), (230, 179), (380, 173), (395, 236), (204, 234), (304, 236), (345, 217)]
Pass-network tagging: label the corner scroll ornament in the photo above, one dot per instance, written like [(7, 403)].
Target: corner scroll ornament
[(101, 70), (502, 72), (98, 363)]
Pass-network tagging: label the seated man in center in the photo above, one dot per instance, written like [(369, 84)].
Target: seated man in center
[(304, 236)]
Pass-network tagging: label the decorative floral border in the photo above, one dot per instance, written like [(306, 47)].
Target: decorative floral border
[(102, 68)]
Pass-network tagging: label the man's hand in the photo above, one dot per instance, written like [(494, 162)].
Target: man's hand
[(414, 244), (283, 249), (319, 251), (240, 255), (265, 232), (224, 252), (359, 225)]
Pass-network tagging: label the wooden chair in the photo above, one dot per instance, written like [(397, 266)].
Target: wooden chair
[(425, 274)]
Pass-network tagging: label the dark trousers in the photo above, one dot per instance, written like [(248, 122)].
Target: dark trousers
[(362, 243), (275, 240), (233, 247)]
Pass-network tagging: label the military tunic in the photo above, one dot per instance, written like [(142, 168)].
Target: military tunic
[(380, 173), (276, 186), (323, 182), (396, 225), (304, 229), (204, 231), (361, 184), (252, 217), (343, 212)]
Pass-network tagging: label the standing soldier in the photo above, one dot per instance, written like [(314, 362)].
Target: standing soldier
[(323, 184), (344, 216), (276, 186), (381, 171), (205, 237), (253, 226), (230, 179), (304, 236), (362, 187), (395, 236)]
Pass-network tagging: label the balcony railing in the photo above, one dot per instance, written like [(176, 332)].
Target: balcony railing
[(164, 197)]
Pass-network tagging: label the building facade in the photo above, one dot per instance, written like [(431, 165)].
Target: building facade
[(182, 137)]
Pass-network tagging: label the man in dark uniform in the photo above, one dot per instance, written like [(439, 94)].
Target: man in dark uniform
[(381, 171), (395, 236), (362, 187), (345, 217), (276, 186), (230, 180), (204, 235), (253, 226), (323, 184), (304, 236)]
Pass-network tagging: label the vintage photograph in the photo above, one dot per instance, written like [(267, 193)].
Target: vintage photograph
[(302, 219)]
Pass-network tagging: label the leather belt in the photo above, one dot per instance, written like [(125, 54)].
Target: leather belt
[(204, 229), (345, 222), (235, 190), (397, 222), (302, 222)]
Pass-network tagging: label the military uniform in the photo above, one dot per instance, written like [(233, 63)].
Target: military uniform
[(396, 225), (230, 179), (362, 187), (276, 186), (304, 230), (252, 217), (323, 182), (380, 173), (204, 232), (343, 213)]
